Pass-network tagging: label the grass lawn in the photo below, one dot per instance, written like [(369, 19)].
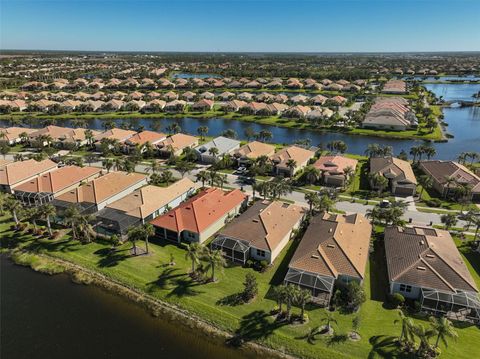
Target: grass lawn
[(430, 193), (153, 275)]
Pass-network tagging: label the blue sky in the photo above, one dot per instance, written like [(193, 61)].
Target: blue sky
[(241, 25)]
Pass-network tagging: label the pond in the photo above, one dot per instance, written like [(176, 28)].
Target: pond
[(50, 317)]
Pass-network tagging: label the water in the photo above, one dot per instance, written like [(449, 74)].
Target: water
[(50, 317), (454, 92), (445, 78)]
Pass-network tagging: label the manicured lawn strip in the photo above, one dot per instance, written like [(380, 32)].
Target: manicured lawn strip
[(154, 275)]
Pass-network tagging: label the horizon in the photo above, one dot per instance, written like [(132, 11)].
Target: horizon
[(326, 26)]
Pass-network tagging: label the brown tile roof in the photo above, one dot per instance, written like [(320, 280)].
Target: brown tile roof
[(440, 170), (393, 167), (264, 224), (13, 133), (56, 132), (427, 258), (19, 171), (58, 179), (334, 245), (300, 155), (102, 188), (255, 149), (178, 141), (146, 136), (146, 200), (335, 164), (200, 211), (116, 133)]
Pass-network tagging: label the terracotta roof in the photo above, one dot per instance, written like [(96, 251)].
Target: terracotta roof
[(335, 164), (4, 162), (56, 132), (178, 141), (117, 134), (298, 154), (146, 200), (22, 170), (146, 136), (58, 179), (200, 211), (255, 149), (334, 245), (13, 133), (102, 188), (427, 258), (264, 224)]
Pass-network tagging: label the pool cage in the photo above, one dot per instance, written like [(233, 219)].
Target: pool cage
[(34, 199), (233, 249), (112, 221), (320, 286), (461, 306)]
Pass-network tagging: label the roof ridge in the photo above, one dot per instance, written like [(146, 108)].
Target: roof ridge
[(438, 274), (344, 253)]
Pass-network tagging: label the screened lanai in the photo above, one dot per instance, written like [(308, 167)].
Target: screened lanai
[(463, 306), (34, 198), (113, 221), (320, 286), (234, 250)]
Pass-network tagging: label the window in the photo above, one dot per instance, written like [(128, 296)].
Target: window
[(405, 288), (260, 253)]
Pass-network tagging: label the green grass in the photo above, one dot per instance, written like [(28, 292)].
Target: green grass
[(153, 275)]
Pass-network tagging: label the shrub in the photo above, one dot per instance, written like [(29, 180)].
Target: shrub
[(115, 240), (434, 202), (251, 288), (249, 263), (417, 306), (263, 265), (397, 300)]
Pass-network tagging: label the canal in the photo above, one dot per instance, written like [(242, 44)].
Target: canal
[(50, 317)]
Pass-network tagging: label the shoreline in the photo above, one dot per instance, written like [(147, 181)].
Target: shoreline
[(277, 122), (83, 276)]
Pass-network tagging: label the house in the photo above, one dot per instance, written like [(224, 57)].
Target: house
[(12, 135), (226, 96), (424, 264), (233, 106), (300, 99), (141, 206), (441, 171), (154, 106), (141, 138), (115, 134), (252, 151), (175, 144), (201, 216), (332, 253), (52, 132), (222, 146), (398, 87), (16, 173), (318, 100), (399, 173), (290, 160), (78, 136), (175, 106), (203, 105), (95, 195), (43, 188), (390, 113), (259, 233), (334, 169), (297, 111)]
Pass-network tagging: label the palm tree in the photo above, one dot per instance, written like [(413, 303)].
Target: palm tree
[(373, 150), (291, 164), (174, 128), (348, 173), (290, 292), (184, 167), (311, 174), (46, 211), (312, 199), (302, 297), (134, 234), (202, 131), (215, 259), (449, 220), (154, 166), (193, 253), (406, 334), (71, 217), (107, 163), (166, 177), (424, 335), (449, 180), (118, 164), (280, 295), (462, 157), (426, 182), (213, 151), (13, 206), (147, 231), (329, 319), (3, 201), (444, 329), (202, 176), (416, 151), (324, 204), (378, 181), (374, 214)]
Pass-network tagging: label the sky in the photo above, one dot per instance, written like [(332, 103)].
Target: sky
[(241, 25)]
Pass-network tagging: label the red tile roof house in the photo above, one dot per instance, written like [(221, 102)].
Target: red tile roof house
[(12, 134), (44, 188), (140, 139), (200, 217), (16, 173), (425, 265), (261, 232), (333, 168), (203, 105), (333, 252), (281, 159)]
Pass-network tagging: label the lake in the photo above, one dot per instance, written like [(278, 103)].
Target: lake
[(50, 317)]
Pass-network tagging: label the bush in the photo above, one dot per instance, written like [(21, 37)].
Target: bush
[(250, 287), (397, 300), (263, 265), (249, 263), (417, 306)]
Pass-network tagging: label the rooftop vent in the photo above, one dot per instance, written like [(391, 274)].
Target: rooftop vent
[(430, 256), (330, 230), (330, 245), (422, 242), (255, 220), (421, 268), (315, 256)]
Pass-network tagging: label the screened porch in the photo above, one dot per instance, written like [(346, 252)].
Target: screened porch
[(320, 286), (462, 306), (232, 249)]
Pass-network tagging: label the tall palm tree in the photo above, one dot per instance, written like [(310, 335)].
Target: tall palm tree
[(312, 200), (329, 319), (311, 174), (291, 164), (46, 211), (215, 259), (107, 163), (279, 294), (302, 297), (71, 217), (202, 131), (134, 234), (424, 335), (193, 253), (166, 177), (154, 166), (426, 182), (348, 173), (449, 180), (444, 329), (147, 231), (406, 335), (14, 207), (290, 292), (449, 220), (324, 204), (202, 176), (213, 151)]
